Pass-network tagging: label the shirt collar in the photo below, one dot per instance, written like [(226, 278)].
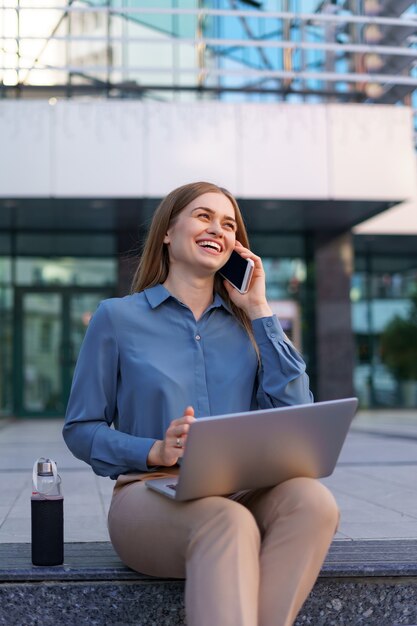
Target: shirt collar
[(218, 302), (158, 294)]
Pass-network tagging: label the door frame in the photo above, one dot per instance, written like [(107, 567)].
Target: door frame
[(66, 293)]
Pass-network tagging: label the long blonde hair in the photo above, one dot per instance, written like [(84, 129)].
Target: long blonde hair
[(153, 266)]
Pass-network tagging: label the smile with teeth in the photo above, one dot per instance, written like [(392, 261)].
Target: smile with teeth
[(210, 245)]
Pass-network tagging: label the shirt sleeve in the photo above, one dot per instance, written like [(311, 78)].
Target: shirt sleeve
[(282, 378), (92, 406)]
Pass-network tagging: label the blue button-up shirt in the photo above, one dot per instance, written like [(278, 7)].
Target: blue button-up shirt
[(145, 358)]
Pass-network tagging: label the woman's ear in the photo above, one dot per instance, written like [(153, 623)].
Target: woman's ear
[(166, 238)]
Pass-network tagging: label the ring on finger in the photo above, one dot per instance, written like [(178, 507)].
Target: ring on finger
[(179, 442)]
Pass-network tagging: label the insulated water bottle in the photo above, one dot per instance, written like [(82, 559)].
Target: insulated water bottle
[(47, 509)]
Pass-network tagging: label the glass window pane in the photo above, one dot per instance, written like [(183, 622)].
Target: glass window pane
[(5, 270), (6, 344), (66, 271), (5, 243), (284, 278), (42, 337), (65, 244), (380, 292)]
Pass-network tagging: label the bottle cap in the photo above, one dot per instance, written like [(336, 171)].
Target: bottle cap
[(45, 468)]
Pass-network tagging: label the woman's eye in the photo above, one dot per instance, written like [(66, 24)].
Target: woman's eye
[(230, 225), (205, 215)]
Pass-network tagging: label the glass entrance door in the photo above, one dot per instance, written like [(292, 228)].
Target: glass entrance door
[(51, 324)]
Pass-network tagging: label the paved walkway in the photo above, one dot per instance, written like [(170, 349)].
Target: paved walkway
[(375, 481)]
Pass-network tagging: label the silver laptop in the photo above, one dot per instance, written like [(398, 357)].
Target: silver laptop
[(229, 453)]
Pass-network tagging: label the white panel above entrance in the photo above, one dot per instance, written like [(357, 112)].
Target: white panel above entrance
[(283, 151), (126, 149)]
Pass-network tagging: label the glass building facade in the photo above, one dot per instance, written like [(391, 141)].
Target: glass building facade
[(51, 283), (384, 282), (54, 269), (308, 50), (49, 287)]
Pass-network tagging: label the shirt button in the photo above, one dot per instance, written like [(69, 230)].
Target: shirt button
[(272, 335), (269, 323), (198, 337)]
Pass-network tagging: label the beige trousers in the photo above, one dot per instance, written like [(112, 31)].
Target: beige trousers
[(250, 560)]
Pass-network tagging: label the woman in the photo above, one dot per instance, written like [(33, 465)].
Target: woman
[(186, 344)]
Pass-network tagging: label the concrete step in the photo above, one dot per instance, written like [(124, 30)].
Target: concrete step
[(361, 582)]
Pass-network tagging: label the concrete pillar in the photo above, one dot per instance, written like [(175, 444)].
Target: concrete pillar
[(333, 255)]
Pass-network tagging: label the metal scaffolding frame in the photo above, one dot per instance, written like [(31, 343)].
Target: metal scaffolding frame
[(210, 72)]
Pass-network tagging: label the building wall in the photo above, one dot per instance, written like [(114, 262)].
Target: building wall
[(144, 149), (121, 149)]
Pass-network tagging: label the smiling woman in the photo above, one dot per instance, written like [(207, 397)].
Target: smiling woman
[(186, 344), (155, 262), (200, 241)]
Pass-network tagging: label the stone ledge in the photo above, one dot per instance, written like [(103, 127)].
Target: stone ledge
[(372, 583), (98, 561), (340, 602)]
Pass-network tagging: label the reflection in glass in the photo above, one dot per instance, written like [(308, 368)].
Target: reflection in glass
[(42, 333), (383, 285), (53, 328), (66, 271), (378, 297), (5, 270), (6, 341), (284, 277)]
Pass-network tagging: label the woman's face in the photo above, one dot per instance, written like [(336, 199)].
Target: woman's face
[(203, 236)]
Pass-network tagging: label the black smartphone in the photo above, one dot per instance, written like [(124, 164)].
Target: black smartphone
[(238, 271)]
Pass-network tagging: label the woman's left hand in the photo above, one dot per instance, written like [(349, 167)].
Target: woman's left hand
[(253, 302)]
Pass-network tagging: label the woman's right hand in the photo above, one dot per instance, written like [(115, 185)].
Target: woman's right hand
[(171, 448)]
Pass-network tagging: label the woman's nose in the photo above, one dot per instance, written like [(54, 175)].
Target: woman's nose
[(216, 228)]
